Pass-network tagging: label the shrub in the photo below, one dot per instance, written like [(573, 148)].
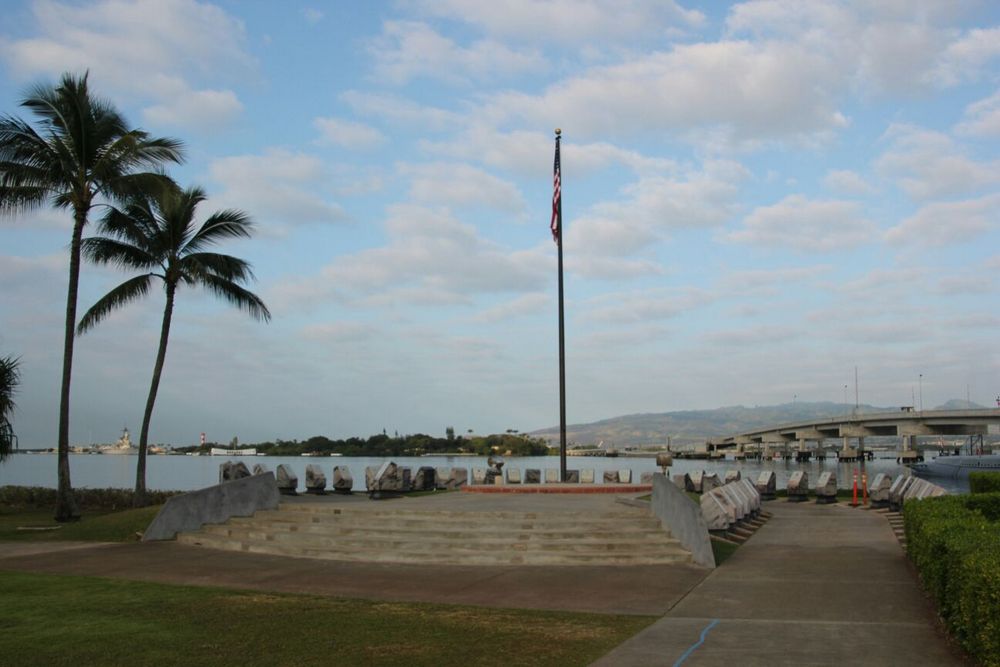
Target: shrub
[(89, 499), (954, 542), (984, 482)]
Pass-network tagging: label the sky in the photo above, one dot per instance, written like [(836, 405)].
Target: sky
[(758, 198)]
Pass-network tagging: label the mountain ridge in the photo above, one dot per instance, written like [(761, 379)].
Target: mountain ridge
[(686, 428)]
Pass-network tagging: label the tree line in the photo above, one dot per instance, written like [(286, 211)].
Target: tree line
[(504, 444), (81, 154)]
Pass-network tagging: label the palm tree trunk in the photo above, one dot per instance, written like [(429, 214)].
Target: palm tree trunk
[(140, 498), (66, 507)]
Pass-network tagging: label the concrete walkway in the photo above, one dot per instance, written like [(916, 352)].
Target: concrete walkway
[(817, 585)]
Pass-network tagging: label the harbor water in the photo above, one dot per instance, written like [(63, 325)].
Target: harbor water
[(187, 473)]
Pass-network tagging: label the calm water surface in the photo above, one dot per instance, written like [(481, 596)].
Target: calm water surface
[(186, 473)]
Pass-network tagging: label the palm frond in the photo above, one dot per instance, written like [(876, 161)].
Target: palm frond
[(129, 291), (103, 250), (237, 296), (227, 223), (226, 267)]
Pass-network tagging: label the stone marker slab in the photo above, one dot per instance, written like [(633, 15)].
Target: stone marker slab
[(215, 504), (610, 476), (343, 481), (826, 488), (646, 477), (229, 471), (767, 484), (733, 476), (718, 511), (709, 481), (259, 468), (878, 492), (441, 477), (625, 476), (693, 479), (315, 479), (798, 486), (587, 476), (513, 475), (551, 476), (287, 480), (572, 476), (532, 476), (478, 476)]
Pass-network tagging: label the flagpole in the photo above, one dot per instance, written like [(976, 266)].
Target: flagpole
[(562, 328)]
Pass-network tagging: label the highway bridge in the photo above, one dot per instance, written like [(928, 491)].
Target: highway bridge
[(906, 424)]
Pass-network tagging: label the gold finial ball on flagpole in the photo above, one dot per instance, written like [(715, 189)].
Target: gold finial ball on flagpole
[(558, 131)]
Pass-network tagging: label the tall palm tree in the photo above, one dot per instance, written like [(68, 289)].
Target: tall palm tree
[(81, 153), (10, 376), (158, 235)]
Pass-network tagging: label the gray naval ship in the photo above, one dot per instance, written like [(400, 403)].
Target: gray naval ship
[(957, 467)]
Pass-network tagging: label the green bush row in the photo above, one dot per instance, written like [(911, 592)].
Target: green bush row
[(954, 541), (88, 499), (984, 482)]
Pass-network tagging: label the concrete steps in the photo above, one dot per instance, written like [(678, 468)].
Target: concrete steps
[(448, 537)]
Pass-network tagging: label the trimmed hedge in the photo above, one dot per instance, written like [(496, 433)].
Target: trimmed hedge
[(88, 499), (954, 541), (984, 482)]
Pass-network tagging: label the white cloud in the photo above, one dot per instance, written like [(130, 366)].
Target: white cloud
[(982, 118), (278, 188), (807, 225), (965, 58), (348, 134), (569, 21), (521, 306), (431, 258), (928, 164), (339, 332), (201, 109), (312, 15), (758, 91), (645, 305), (461, 185), (529, 153), (400, 110), (948, 222), (881, 47), (408, 50), (770, 281), (847, 182), (134, 48)]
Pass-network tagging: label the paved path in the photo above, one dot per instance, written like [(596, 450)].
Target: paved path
[(817, 585)]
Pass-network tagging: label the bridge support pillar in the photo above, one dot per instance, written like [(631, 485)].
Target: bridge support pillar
[(848, 453), (909, 453), (803, 453)]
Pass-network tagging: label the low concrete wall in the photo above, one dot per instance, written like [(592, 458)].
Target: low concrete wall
[(215, 504), (682, 517)]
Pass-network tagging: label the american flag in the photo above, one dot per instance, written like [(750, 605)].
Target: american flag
[(556, 197)]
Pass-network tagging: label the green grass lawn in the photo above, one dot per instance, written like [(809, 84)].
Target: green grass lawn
[(95, 525), (78, 621)]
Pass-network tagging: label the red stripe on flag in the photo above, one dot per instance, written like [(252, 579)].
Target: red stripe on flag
[(556, 198)]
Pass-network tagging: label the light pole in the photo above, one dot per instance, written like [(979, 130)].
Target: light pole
[(920, 380)]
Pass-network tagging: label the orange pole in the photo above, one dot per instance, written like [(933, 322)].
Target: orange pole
[(855, 503), (864, 487)]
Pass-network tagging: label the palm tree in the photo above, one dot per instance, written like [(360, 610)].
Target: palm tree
[(82, 154), (10, 376), (158, 235)]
